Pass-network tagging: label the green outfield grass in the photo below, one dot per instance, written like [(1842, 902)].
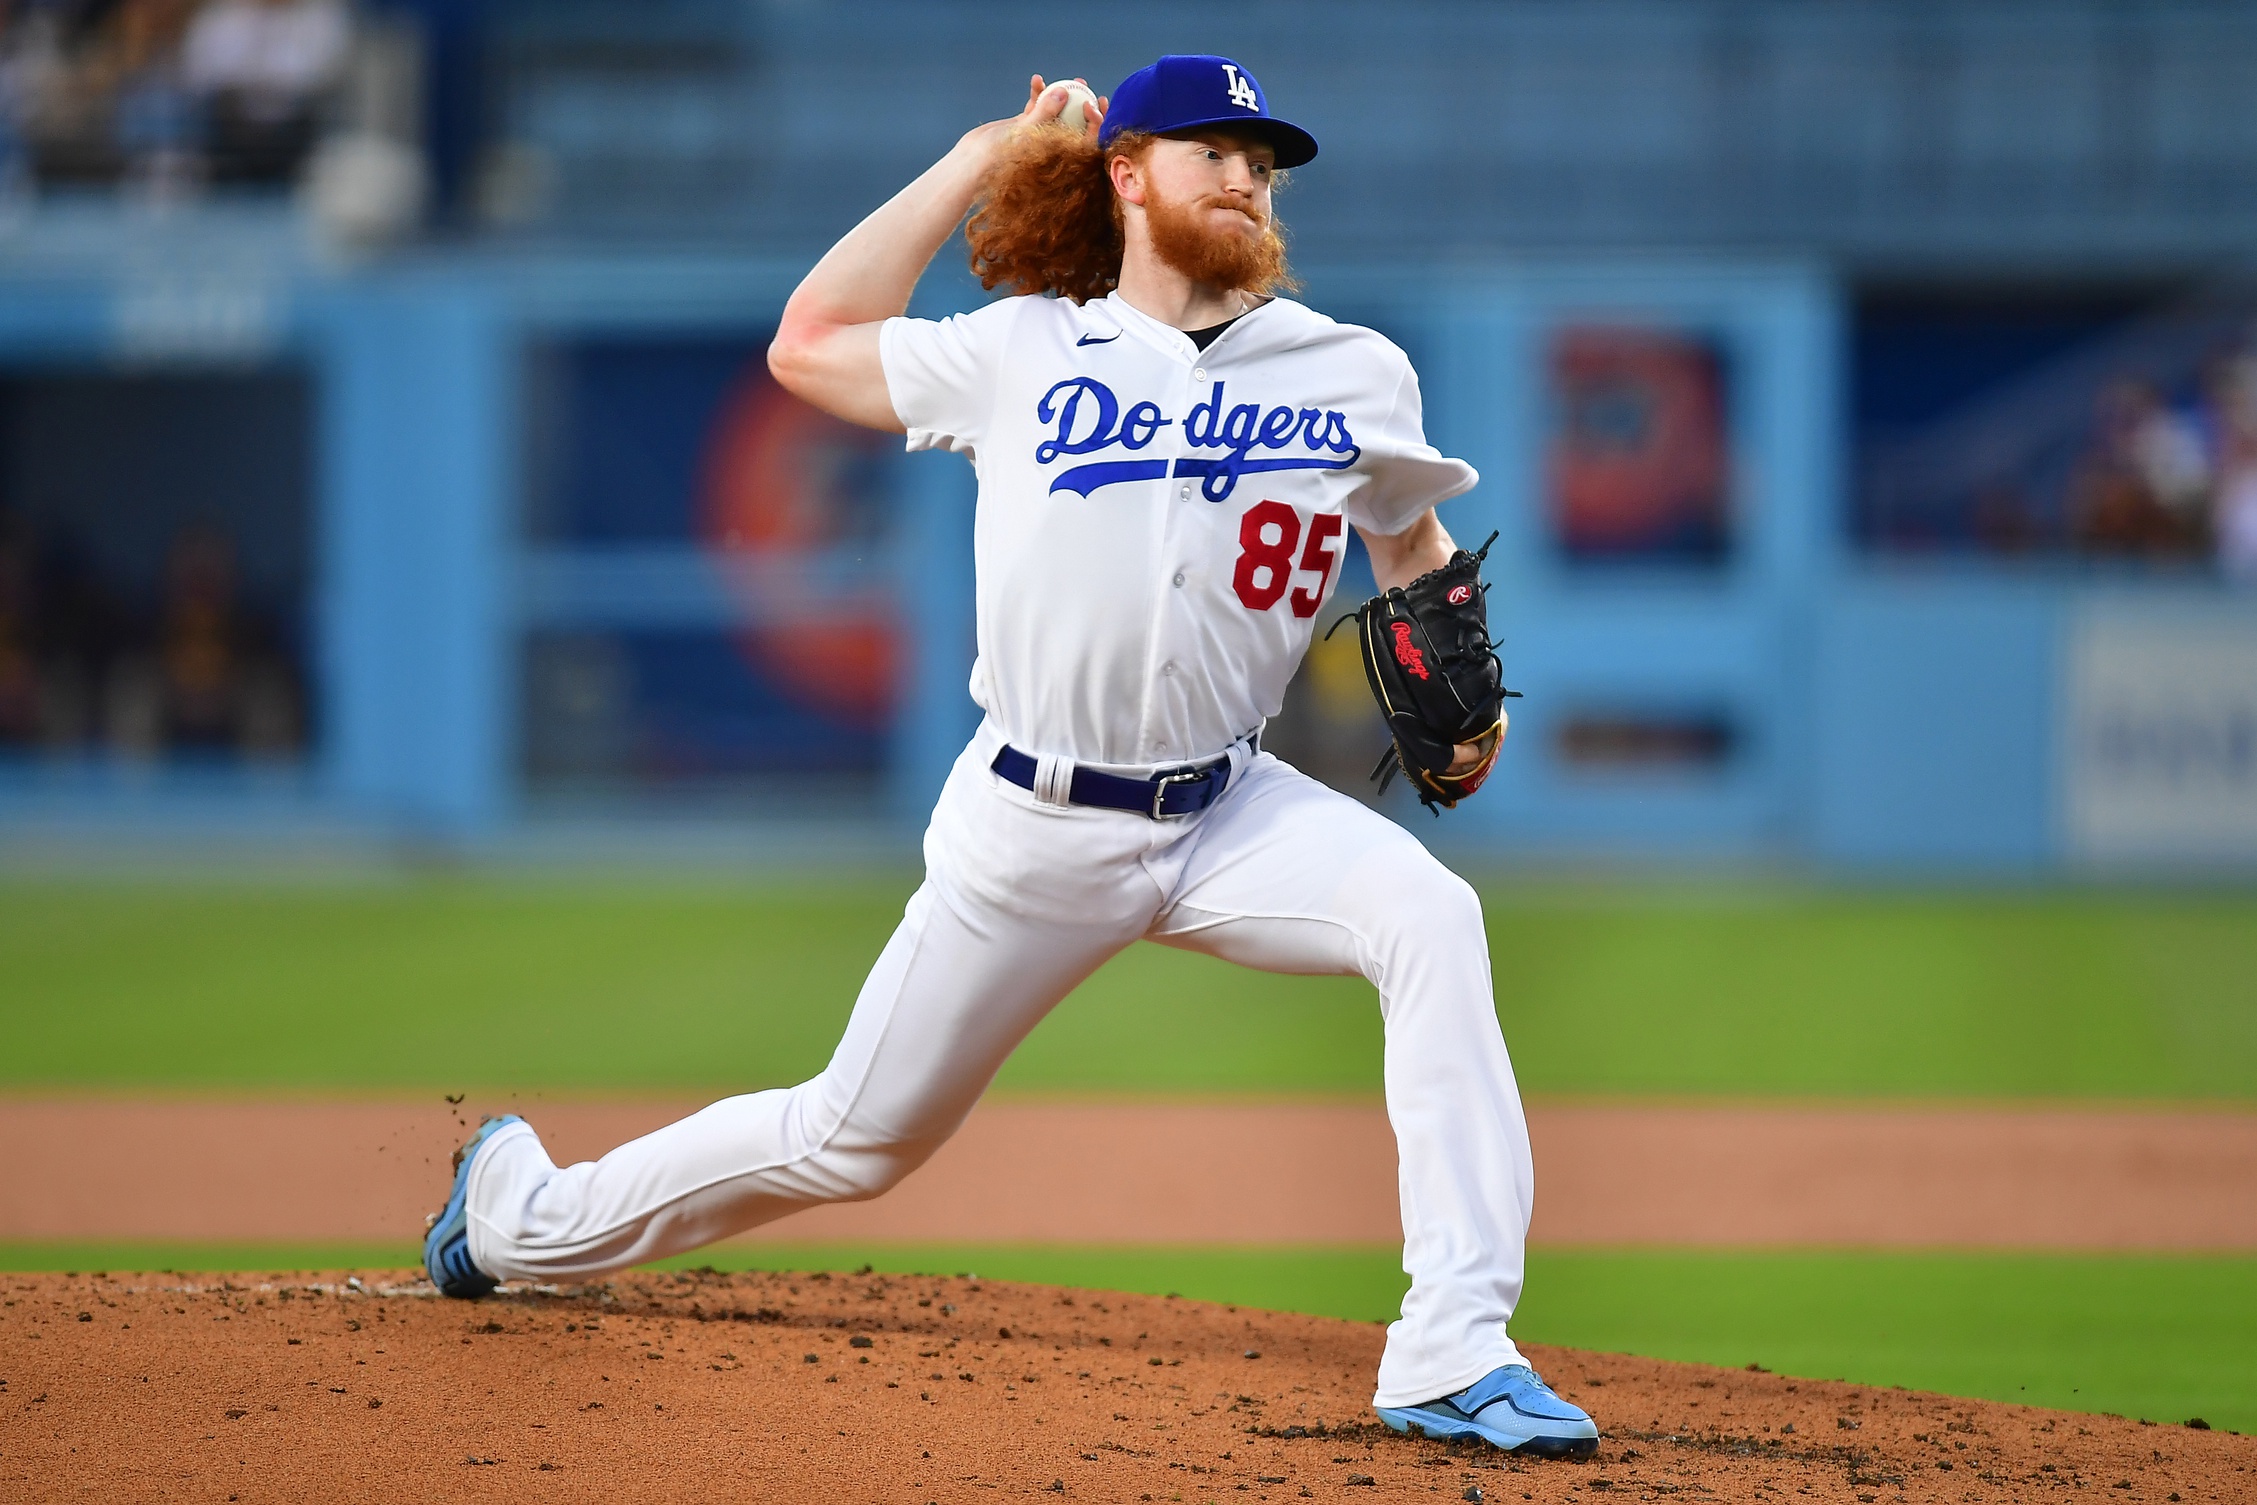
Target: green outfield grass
[(2163, 1338), (1634, 989)]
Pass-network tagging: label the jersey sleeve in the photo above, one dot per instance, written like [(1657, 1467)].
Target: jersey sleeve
[(1403, 474), (942, 374)]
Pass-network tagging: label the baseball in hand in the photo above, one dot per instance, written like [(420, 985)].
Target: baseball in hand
[(1078, 112)]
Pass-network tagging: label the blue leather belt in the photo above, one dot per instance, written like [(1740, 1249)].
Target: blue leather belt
[(1179, 791)]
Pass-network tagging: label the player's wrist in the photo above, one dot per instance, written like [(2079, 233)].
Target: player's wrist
[(1046, 104), (980, 146), (970, 161)]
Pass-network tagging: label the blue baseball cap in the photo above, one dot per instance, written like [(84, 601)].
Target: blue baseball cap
[(1194, 91)]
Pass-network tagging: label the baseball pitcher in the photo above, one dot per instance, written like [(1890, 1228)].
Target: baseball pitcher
[(1169, 451)]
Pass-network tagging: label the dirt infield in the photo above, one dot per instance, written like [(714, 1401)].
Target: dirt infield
[(874, 1388), (1736, 1175)]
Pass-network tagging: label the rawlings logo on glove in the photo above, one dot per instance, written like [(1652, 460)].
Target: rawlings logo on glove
[(1432, 669), (1405, 653)]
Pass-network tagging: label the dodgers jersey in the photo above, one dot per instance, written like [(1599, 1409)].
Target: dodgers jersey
[(1159, 526)]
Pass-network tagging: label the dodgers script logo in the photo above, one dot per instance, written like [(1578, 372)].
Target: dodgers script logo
[(1087, 418)]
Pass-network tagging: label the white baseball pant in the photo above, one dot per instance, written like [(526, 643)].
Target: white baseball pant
[(1021, 901)]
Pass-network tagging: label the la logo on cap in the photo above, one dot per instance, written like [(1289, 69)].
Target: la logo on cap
[(1241, 89), (1177, 96)]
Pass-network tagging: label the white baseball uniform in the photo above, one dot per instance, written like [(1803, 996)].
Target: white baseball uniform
[(1157, 530)]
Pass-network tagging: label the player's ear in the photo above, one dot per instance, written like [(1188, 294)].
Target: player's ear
[(1128, 178)]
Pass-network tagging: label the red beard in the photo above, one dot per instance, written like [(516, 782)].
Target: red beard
[(1224, 255)]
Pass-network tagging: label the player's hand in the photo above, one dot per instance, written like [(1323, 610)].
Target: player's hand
[(1471, 753), (1044, 103)]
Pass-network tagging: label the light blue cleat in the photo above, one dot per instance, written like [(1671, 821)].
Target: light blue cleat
[(1511, 1407), (446, 1247)]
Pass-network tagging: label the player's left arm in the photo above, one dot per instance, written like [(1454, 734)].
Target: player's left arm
[(1400, 558)]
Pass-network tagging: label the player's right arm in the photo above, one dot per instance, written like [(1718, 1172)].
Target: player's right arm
[(826, 347)]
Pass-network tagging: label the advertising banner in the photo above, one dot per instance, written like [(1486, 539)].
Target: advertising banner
[(2161, 735)]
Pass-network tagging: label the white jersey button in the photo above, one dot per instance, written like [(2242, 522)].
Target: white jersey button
[(1179, 580), (1168, 668), (1183, 493), (1199, 373)]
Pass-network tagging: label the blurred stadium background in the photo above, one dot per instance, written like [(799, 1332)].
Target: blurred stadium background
[(434, 656)]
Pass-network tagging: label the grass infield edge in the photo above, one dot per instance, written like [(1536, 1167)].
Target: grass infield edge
[(2157, 1337)]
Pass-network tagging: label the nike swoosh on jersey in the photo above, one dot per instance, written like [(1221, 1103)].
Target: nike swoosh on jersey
[(1091, 340)]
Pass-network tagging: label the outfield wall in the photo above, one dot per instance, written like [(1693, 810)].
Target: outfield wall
[(542, 588)]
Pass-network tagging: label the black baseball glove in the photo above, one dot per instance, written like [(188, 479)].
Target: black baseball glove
[(1427, 654)]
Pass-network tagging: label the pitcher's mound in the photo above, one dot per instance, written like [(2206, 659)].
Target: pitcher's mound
[(891, 1388)]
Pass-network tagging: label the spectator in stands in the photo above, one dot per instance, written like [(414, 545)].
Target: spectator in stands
[(52, 93), (20, 70), (264, 69), (213, 680), (2234, 520), (154, 118), (53, 631), (20, 721), (91, 87), (2143, 487)]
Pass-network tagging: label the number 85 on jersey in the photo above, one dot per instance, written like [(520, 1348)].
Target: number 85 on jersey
[(1278, 556)]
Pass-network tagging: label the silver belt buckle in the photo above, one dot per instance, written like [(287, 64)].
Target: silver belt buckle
[(1160, 791)]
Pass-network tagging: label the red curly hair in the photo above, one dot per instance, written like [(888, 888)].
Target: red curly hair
[(1047, 220)]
